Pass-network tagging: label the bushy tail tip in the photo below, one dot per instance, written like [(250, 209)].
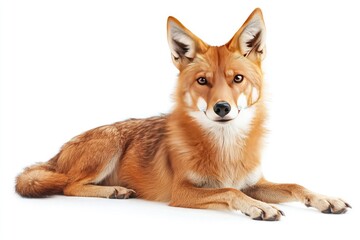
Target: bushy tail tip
[(38, 181)]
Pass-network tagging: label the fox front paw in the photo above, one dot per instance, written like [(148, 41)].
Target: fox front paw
[(327, 204), (264, 212)]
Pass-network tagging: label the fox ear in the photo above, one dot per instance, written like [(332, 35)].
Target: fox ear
[(183, 44), (250, 38)]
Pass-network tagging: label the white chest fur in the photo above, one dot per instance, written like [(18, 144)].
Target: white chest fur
[(237, 182)]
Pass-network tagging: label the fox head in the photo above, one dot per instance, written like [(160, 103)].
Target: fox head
[(218, 84)]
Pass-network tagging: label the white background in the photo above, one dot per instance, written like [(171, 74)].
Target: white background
[(68, 66)]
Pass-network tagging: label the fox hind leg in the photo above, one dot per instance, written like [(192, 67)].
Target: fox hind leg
[(90, 185), (82, 189), (91, 158)]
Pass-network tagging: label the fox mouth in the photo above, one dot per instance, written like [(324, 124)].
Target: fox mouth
[(219, 120), (223, 120)]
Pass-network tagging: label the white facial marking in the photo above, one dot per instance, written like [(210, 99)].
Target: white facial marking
[(233, 113), (229, 73), (188, 99), (210, 113), (254, 95), (226, 133), (242, 101), (201, 104)]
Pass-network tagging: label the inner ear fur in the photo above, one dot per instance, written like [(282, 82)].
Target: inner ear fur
[(249, 40), (184, 45)]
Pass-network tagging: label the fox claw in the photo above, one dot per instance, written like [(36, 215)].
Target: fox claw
[(282, 213)]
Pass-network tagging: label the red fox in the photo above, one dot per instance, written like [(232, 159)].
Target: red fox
[(205, 154)]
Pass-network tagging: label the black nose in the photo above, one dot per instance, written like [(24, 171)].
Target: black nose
[(222, 108)]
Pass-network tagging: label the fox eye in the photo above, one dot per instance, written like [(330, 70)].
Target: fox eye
[(238, 78), (201, 81)]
